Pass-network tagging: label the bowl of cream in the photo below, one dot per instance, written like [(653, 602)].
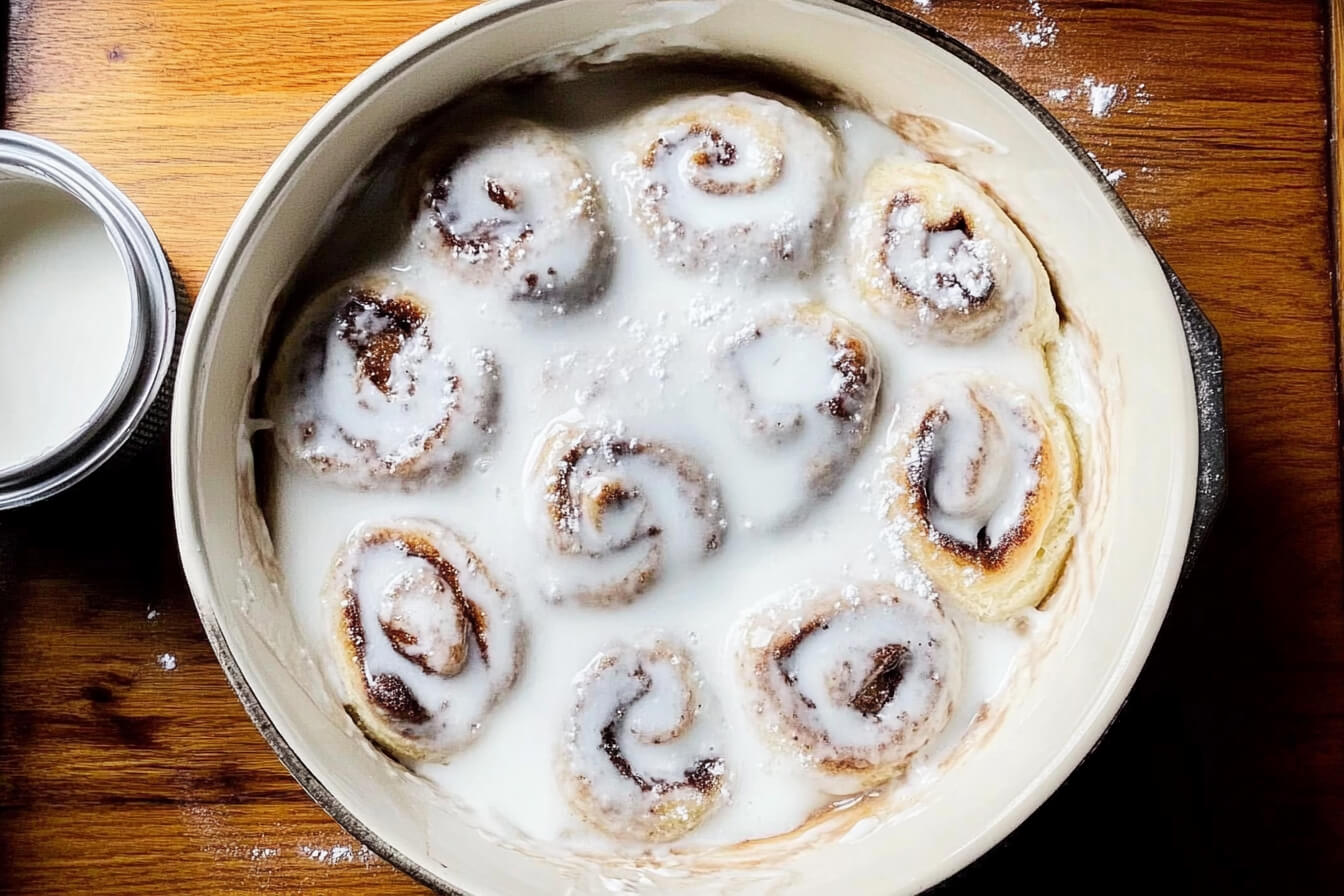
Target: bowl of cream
[(87, 320)]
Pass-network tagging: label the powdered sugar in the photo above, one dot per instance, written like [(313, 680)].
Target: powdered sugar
[(1038, 31), (1112, 175), (639, 366), (1101, 99)]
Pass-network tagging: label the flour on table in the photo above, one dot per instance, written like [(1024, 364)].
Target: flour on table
[(1113, 175), (1038, 31)]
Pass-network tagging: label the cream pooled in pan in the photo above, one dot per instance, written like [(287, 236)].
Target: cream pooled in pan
[(677, 470)]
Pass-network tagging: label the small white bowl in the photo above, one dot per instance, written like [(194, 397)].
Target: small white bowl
[(1166, 436)]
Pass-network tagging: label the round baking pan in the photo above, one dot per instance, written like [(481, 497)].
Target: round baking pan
[(1168, 430)]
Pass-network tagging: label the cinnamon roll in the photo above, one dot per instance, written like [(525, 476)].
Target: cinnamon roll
[(427, 641), (804, 382), (636, 761), (519, 207), (985, 493), (614, 509), (364, 392), (736, 183), (932, 251), (854, 682)]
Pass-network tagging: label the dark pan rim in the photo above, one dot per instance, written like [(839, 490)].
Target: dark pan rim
[(1202, 339)]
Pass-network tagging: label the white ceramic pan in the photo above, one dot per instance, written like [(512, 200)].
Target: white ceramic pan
[(1161, 357)]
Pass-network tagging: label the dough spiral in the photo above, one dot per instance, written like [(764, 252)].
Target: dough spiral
[(364, 393), (937, 255), (635, 761), (985, 494), (804, 383), (614, 509), (518, 207), (853, 681), (427, 641), (738, 184)]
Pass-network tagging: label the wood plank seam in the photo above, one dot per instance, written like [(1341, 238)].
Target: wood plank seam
[(1335, 92)]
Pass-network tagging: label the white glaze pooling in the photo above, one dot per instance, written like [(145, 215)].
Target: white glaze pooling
[(65, 318), (641, 358)]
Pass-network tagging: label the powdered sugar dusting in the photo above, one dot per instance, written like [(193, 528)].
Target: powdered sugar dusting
[(1038, 31), (640, 367), (1102, 97)]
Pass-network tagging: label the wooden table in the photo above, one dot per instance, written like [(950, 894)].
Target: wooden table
[(121, 775)]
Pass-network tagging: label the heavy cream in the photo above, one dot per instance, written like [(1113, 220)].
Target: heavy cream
[(645, 362), (65, 318)]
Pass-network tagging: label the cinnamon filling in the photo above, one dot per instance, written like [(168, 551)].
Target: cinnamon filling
[(389, 692), (715, 151), (851, 362), (885, 676), (985, 552), (377, 327), (703, 776), (946, 247), (502, 196)]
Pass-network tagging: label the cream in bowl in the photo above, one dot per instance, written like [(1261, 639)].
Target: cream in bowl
[(676, 471), (87, 321), (61, 284)]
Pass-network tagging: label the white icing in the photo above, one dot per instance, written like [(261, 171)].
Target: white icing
[(434, 406), (641, 358), (947, 267), (739, 184), (981, 464), (522, 208), (389, 584)]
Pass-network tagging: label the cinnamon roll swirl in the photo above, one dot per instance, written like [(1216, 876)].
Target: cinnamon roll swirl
[(636, 761), (985, 493), (932, 251), (519, 207), (614, 509), (804, 382), (364, 392), (427, 641), (854, 682), (736, 183)]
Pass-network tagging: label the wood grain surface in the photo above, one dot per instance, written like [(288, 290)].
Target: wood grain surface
[(1224, 773)]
